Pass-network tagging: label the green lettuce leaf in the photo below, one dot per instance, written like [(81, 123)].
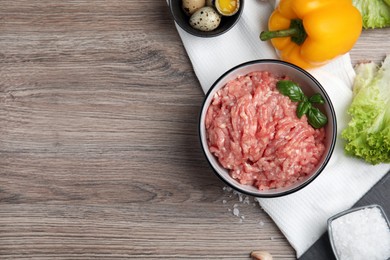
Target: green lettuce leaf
[(368, 133), (375, 13)]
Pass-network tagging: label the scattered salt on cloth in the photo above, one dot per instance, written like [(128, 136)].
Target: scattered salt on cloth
[(301, 216)]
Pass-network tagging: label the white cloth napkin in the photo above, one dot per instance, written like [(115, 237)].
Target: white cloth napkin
[(301, 216)]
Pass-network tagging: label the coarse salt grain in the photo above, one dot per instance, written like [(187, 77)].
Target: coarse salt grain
[(362, 234), (261, 224)]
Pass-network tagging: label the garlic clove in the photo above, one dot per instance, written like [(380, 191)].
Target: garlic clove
[(261, 255)]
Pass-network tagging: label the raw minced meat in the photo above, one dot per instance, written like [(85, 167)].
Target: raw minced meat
[(254, 132)]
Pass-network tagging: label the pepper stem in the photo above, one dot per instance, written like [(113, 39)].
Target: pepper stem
[(296, 31)]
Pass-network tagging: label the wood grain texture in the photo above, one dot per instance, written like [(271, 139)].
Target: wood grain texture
[(99, 153)]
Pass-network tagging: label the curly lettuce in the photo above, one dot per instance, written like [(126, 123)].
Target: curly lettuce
[(375, 13), (368, 132)]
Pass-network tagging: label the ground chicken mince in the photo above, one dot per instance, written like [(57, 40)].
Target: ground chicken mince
[(254, 132)]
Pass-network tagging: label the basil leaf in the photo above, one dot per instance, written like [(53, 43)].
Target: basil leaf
[(290, 89), (302, 108), (317, 98), (316, 118)]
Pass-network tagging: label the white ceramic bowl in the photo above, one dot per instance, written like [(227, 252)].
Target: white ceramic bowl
[(309, 86)]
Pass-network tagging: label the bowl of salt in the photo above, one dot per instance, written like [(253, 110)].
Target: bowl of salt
[(360, 233)]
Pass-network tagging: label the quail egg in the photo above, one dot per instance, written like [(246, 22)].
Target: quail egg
[(227, 7), (205, 19), (191, 6)]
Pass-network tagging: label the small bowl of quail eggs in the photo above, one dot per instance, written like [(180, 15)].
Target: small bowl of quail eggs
[(206, 18)]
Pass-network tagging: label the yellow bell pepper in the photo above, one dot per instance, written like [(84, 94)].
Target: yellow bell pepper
[(309, 33)]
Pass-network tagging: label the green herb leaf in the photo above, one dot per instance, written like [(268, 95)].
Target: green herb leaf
[(290, 89), (317, 98), (302, 108), (316, 118)]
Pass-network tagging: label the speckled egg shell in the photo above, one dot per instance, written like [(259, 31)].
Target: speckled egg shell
[(191, 6), (205, 19)]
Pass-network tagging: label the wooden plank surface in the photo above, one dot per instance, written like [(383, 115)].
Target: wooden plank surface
[(99, 153)]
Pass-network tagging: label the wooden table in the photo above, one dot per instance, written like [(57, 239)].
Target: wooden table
[(99, 153)]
